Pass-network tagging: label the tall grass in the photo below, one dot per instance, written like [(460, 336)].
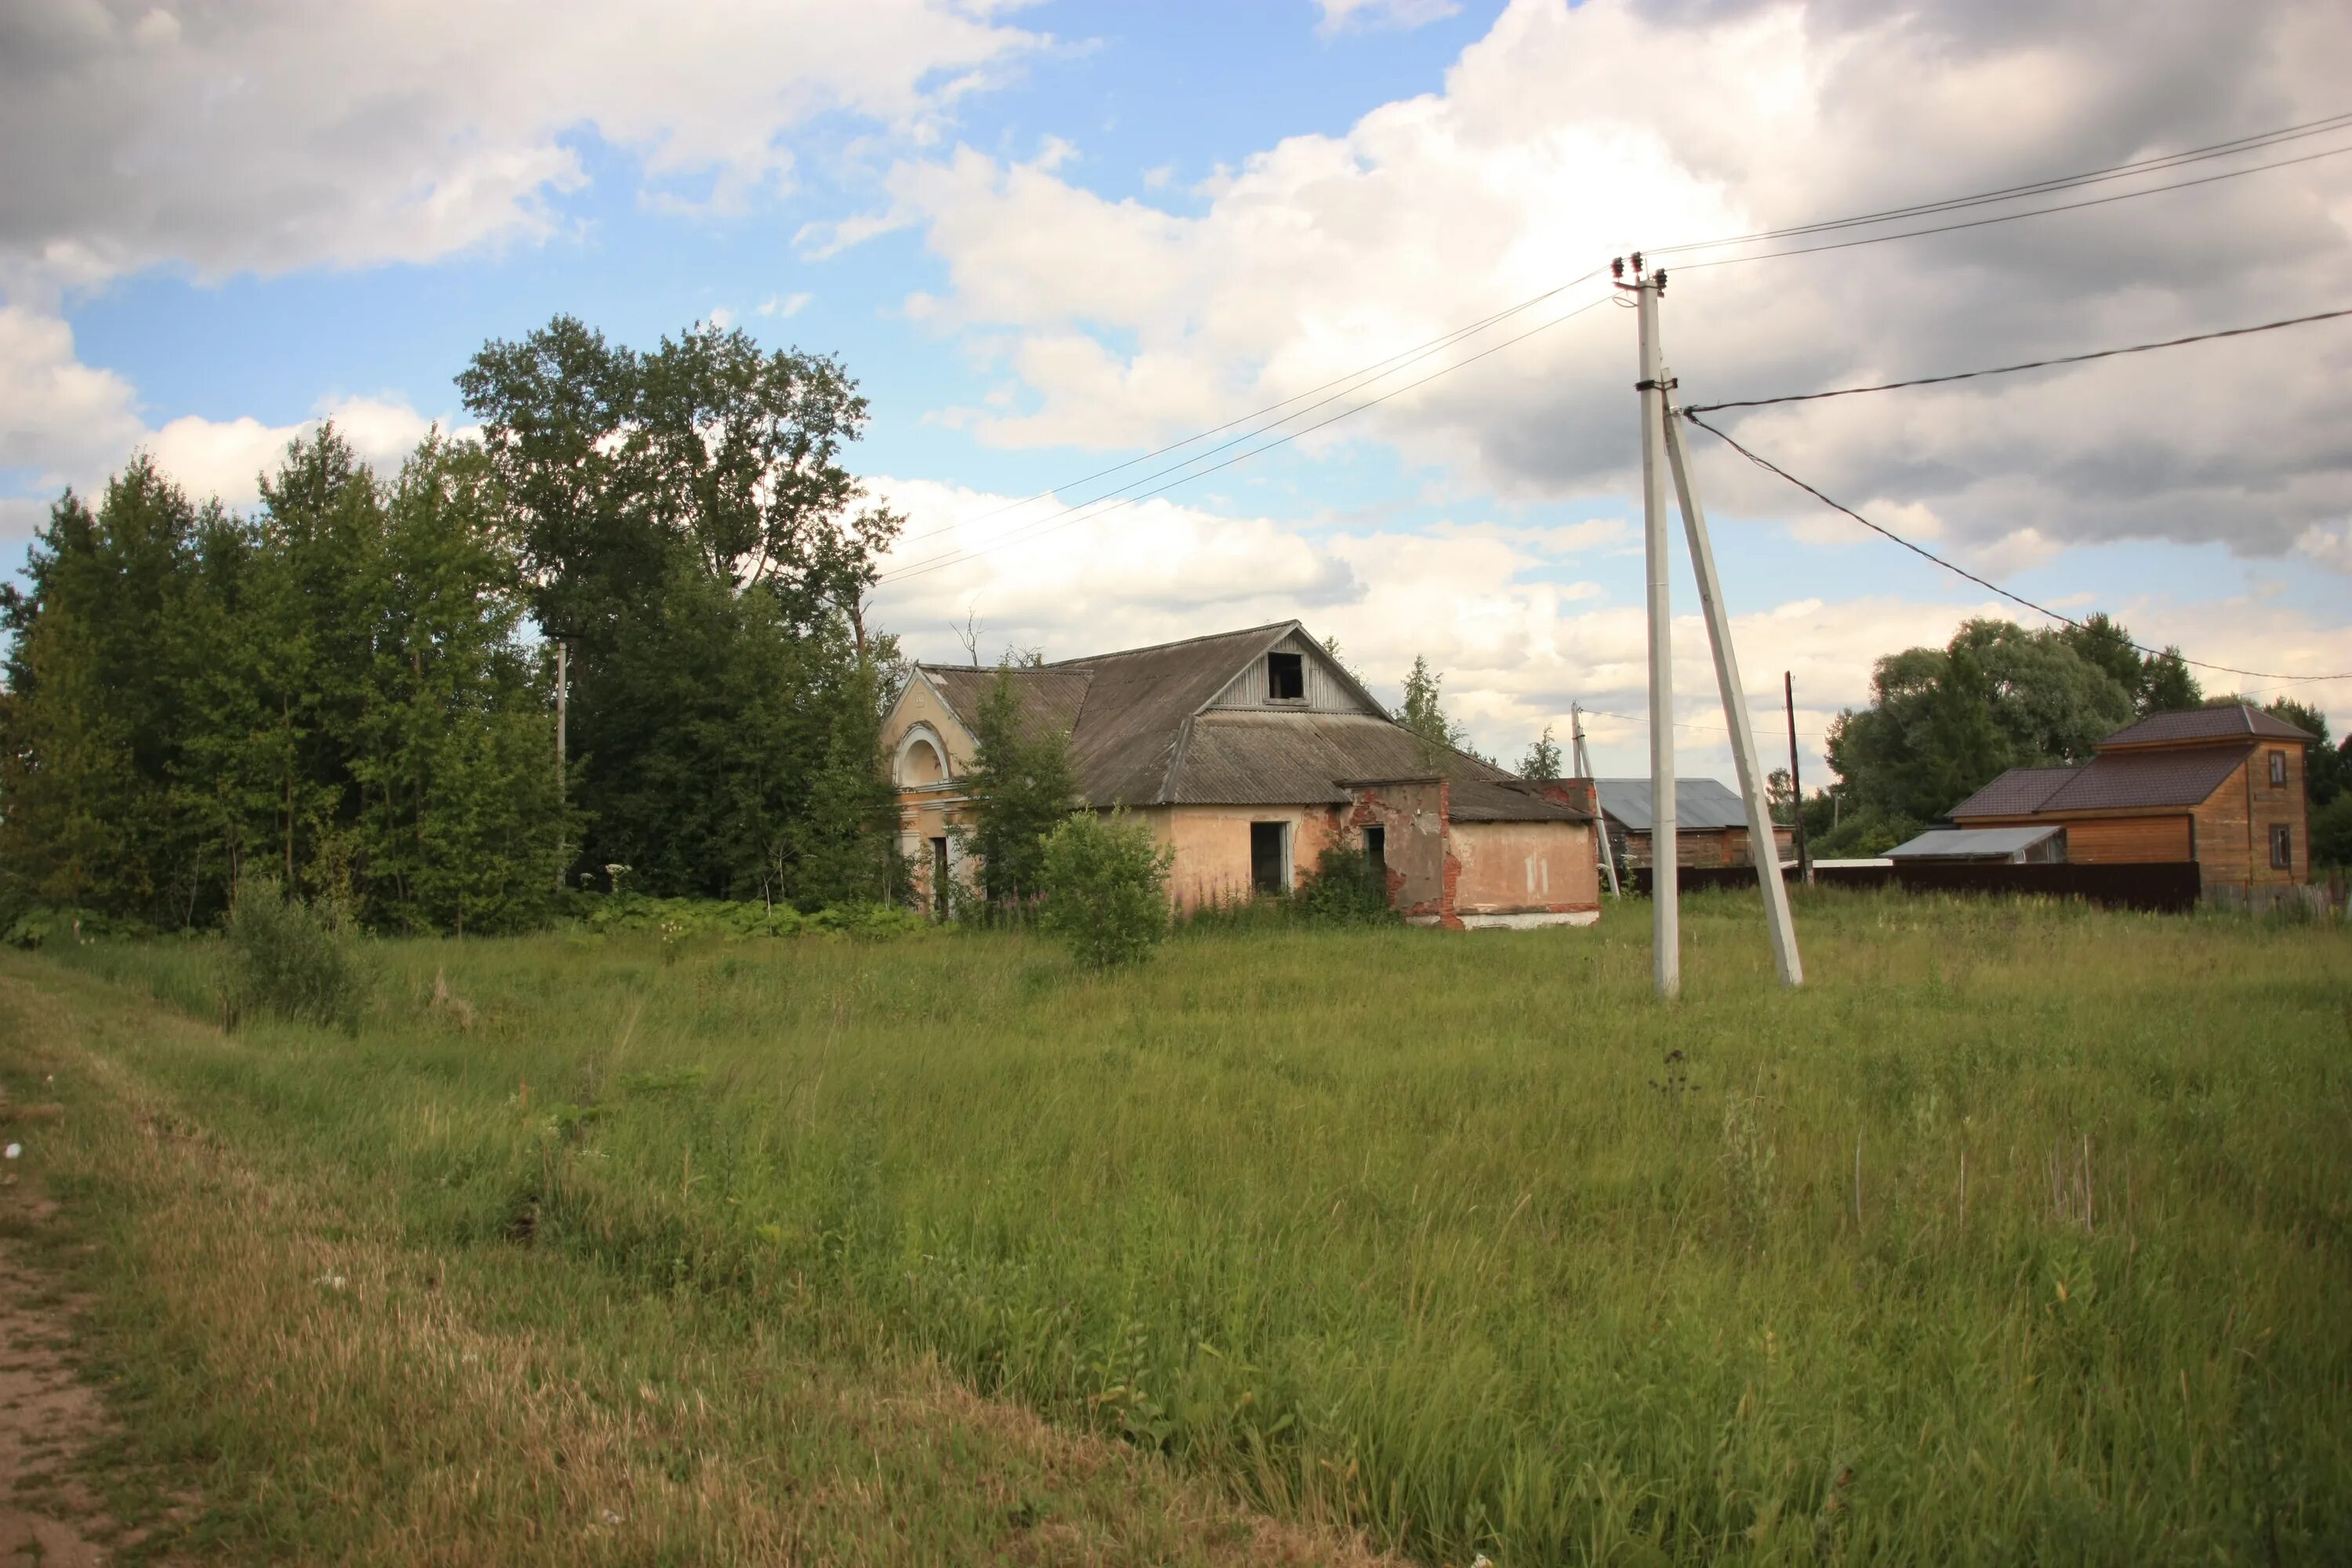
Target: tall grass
[(2019, 1234)]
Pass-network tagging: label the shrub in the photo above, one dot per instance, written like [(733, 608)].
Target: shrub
[(1346, 888), (1106, 885), (285, 957)]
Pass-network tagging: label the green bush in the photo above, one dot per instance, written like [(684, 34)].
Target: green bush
[(1106, 886), (735, 919), (42, 925), (287, 957), (2331, 833), (1346, 888)]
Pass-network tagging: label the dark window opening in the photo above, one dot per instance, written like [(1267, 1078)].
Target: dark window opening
[(2278, 770), (1376, 847), (2282, 848), (1269, 857), (1285, 677), (940, 879)]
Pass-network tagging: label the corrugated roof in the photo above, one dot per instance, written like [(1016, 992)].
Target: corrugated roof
[(1234, 757), (1700, 805), (2017, 793), (1049, 697), (2227, 723), (1973, 843), (1137, 703)]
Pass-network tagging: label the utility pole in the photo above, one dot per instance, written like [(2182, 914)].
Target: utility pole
[(562, 692), (1659, 431), (1796, 783), (1665, 913), (1583, 760)]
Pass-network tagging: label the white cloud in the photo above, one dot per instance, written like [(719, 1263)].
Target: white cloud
[(2330, 546), (1570, 134), (722, 318), (278, 134), (784, 304), (1340, 15)]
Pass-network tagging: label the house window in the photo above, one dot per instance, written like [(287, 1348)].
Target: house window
[(1286, 678), (939, 874), (1270, 858), (2282, 846), (1376, 847), (2278, 770)]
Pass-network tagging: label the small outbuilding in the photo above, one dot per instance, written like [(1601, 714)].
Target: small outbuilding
[(2038, 846), (1710, 823)]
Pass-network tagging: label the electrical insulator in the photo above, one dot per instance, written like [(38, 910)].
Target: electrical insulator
[(1617, 267), (1637, 264)]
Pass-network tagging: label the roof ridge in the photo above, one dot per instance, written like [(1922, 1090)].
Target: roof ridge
[(1177, 642)]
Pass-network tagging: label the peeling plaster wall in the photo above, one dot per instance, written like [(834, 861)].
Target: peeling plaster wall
[(1212, 846), (1421, 869), (1510, 868)]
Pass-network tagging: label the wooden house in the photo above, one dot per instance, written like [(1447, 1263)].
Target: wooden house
[(1710, 823), (2220, 787)]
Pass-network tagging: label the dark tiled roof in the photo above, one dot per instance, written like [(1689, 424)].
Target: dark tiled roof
[(2233, 722), (2114, 781), (2117, 779), (2017, 793), (1139, 737), (1700, 805)]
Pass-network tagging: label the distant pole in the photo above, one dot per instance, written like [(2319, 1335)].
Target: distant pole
[(1666, 916), (1734, 702), (1796, 783), (1600, 820), (562, 692)]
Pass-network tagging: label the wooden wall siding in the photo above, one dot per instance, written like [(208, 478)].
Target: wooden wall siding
[(1324, 693), (2128, 840), (2233, 825)]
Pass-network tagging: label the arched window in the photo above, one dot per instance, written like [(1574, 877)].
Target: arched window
[(920, 761)]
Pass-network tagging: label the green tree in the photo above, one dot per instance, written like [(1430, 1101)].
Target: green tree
[(2168, 686), (1424, 713), (1105, 882), (1021, 785), (2331, 833), (1542, 760), (684, 520)]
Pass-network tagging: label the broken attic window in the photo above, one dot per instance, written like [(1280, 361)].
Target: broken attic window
[(1285, 677)]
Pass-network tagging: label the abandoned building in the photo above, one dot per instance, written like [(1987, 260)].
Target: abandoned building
[(2220, 787), (1710, 823), (1248, 753)]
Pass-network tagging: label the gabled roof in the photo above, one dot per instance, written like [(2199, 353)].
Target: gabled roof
[(2235, 721), (1142, 732), (2112, 781), (1973, 843), (1700, 805)]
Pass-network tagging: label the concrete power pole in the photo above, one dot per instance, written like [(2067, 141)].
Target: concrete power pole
[(1662, 438), (563, 692), (1665, 913), (1583, 760)]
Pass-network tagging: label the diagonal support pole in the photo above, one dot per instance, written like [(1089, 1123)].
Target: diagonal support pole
[(1766, 847)]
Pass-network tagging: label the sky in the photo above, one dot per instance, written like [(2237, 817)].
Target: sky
[(1051, 238)]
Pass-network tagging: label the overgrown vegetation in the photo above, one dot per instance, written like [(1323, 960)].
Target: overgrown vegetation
[(1104, 881), (2018, 1233), (288, 959), (1345, 888), (1021, 785)]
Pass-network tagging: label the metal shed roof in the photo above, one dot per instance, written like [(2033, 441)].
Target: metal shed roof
[(1973, 843), (1700, 805)]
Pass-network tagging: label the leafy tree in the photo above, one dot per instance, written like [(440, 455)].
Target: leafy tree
[(1021, 785), (1104, 881), (684, 520), (1781, 796), (1542, 760), (2331, 833), (2166, 685), (2156, 682)]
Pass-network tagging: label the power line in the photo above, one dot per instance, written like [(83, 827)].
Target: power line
[(1772, 467), (1069, 515), (2012, 217), (2253, 143), (1362, 377), (2012, 369)]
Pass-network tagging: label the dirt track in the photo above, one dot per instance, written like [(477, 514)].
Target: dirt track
[(45, 1412)]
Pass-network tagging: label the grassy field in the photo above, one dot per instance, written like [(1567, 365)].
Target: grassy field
[(2019, 1235)]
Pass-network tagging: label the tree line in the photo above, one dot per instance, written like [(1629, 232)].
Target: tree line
[(352, 690)]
